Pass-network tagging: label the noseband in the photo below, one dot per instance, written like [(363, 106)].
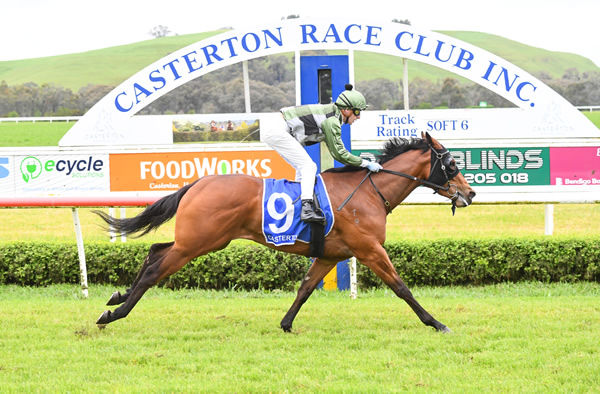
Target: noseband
[(443, 158)]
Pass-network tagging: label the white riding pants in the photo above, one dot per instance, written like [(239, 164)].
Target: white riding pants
[(277, 137)]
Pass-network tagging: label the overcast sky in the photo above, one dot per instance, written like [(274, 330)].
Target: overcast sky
[(36, 28)]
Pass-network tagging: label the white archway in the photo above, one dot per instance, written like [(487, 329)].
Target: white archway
[(106, 123)]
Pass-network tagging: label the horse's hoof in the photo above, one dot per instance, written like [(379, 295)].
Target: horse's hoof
[(103, 320), (114, 299), (286, 328), (444, 330)]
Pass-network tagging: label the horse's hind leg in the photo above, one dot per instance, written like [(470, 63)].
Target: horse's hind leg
[(380, 263), (317, 271), (117, 298), (161, 262)]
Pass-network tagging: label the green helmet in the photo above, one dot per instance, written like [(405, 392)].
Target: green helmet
[(351, 99)]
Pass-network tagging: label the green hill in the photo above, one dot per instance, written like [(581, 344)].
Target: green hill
[(110, 66)]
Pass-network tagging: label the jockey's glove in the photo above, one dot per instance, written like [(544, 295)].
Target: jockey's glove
[(371, 165)]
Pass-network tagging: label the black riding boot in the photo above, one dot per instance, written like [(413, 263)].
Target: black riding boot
[(308, 212)]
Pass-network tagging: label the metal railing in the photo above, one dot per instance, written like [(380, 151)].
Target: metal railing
[(590, 108), (41, 119)]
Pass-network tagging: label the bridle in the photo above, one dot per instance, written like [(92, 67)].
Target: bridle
[(442, 157)]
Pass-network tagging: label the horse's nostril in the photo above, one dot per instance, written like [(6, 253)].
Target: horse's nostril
[(472, 195)]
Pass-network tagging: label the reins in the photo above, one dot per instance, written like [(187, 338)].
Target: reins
[(424, 182)]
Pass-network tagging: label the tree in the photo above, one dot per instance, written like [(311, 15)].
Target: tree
[(571, 74), (381, 94), (453, 93), (423, 91), (159, 31)]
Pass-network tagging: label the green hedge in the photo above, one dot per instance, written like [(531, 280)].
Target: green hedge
[(251, 266)]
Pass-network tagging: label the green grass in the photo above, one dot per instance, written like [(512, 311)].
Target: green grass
[(594, 117), (407, 222), (111, 66), (506, 338), (14, 134), (491, 221), (108, 66)]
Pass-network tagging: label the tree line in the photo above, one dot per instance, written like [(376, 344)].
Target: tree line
[(272, 87)]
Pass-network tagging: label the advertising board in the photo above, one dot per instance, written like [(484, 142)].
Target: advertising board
[(172, 170), (524, 166), (53, 174), (575, 165), (498, 174), (476, 124)]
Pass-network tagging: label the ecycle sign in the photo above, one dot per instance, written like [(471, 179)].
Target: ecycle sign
[(106, 122), (59, 175)]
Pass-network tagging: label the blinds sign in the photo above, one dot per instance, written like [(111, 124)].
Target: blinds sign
[(504, 166)]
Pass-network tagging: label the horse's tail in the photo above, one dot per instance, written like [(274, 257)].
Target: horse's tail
[(150, 218)]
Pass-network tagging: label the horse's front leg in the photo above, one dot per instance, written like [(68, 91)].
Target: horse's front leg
[(379, 262), (316, 272)]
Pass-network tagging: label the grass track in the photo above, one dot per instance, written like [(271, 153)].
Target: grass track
[(409, 222), (512, 338)]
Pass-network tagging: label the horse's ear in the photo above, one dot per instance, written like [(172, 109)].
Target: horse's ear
[(428, 137)]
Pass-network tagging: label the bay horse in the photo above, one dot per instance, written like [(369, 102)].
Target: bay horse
[(216, 209)]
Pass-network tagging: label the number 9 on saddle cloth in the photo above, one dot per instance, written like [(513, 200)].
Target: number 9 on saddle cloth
[(281, 215)]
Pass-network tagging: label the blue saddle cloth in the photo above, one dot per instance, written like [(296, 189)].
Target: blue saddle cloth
[(281, 211)]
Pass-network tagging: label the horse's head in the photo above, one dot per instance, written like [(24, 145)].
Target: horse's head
[(445, 174)]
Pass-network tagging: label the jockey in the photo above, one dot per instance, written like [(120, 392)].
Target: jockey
[(310, 124)]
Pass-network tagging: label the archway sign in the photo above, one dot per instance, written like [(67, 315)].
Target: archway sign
[(110, 121)]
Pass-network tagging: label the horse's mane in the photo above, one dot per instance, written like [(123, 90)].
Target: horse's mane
[(391, 149)]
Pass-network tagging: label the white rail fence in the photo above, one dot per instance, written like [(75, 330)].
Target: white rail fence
[(589, 108)]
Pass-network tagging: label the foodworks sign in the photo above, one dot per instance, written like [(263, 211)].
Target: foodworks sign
[(173, 170)]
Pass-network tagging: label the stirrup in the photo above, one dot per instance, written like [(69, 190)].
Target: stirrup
[(309, 213)]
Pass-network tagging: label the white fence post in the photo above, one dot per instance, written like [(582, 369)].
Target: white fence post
[(111, 230), (549, 219), (81, 253), (353, 281), (122, 216)]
